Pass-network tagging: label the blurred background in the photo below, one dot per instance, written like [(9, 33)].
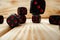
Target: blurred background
[(8, 7)]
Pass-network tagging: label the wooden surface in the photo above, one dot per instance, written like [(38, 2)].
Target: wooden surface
[(4, 28), (30, 31), (8, 7)]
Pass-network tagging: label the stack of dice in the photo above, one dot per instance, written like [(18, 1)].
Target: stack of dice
[(22, 11), (37, 7), (19, 18)]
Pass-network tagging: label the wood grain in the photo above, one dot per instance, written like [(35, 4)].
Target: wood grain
[(32, 31), (8, 7), (4, 28)]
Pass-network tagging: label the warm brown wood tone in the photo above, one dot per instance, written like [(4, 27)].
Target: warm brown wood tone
[(8, 7), (31, 31)]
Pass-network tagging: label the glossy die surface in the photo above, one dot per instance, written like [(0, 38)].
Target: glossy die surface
[(54, 19), (22, 19), (12, 21), (22, 11), (36, 19), (37, 7), (1, 19)]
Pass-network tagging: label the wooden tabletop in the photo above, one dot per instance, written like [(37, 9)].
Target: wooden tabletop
[(30, 31)]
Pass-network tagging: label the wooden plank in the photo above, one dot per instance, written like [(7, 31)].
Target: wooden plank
[(4, 28), (11, 34), (46, 22)]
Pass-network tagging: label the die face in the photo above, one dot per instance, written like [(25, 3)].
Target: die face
[(22, 11), (54, 19), (36, 18), (1, 19), (12, 21), (37, 7), (22, 19)]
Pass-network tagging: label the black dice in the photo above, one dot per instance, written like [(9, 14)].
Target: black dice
[(1, 19), (22, 11), (54, 19), (12, 21), (16, 19), (37, 7), (36, 19), (21, 19)]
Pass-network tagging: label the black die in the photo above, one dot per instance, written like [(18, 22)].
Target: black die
[(54, 19), (36, 19), (12, 21), (22, 11), (1, 19)]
